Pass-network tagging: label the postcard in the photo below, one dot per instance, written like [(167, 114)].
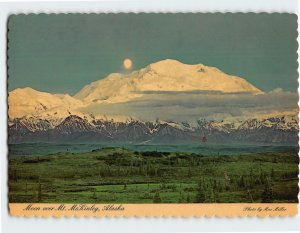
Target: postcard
[(153, 114)]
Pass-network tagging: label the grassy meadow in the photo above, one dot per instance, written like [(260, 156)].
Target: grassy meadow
[(117, 175)]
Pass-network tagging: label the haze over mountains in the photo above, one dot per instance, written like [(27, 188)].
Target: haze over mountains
[(164, 101)]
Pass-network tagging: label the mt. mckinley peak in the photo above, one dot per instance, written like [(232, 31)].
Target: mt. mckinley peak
[(165, 89), (166, 75), (163, 76)]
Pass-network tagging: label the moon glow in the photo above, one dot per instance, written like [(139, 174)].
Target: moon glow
[(127, 63)]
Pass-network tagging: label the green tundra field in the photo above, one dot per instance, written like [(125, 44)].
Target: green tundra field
[(117, 175)]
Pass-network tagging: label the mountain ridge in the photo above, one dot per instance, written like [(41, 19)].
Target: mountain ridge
[(40, 116), (74, 128), (163, 76)]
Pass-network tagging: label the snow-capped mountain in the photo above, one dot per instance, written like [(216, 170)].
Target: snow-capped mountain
[(163, 76), (283, 130), (27, 101), (88, 116), (166, 75)]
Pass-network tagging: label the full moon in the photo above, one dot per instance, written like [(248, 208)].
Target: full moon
[(127, 63)]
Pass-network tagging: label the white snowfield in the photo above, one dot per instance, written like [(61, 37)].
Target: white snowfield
[(163, 76)]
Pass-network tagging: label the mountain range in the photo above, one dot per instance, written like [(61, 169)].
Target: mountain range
[(36, 116)]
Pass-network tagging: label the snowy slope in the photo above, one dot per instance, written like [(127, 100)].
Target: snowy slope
[(166, 75), (27, 101)]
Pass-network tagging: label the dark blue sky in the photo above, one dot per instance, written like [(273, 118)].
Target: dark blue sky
[(62, 53)]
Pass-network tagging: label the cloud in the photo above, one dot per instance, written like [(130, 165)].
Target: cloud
[(191, 92), (187, 106)]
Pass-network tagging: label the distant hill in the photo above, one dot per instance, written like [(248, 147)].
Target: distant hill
[(76, 129)]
